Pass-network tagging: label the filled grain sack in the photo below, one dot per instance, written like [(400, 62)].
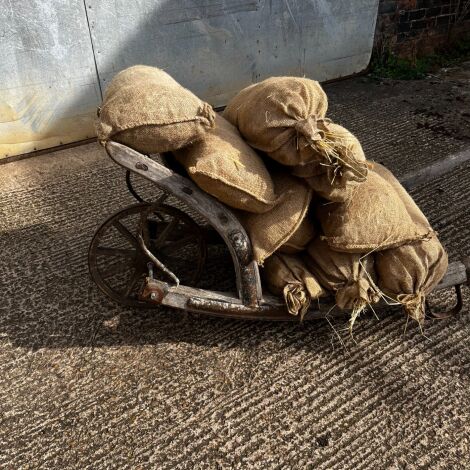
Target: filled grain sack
[(285, 117), (337, 179), (288, 276), (413, 210), (409, 272), (225, 166), (282, 116), (150, 112), (300, 238), (270, 230), (350, 276), (375, 218)]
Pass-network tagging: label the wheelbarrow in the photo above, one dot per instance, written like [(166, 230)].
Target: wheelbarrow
[(147, 245)]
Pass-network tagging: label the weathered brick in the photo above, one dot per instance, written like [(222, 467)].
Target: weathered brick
[(403, 16), (387, 6), (440, 31), (417, 14), (406, 4), (403, 27), (386, 20), (434, 11), (401, 37), (445, 10), (463, 29), (443, 20), (415, 32), (416, 27), (425, 3), (441, 28), (432, 3), (420, 24)]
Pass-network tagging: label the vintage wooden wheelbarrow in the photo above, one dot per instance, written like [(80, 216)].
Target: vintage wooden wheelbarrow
[(135, 254)]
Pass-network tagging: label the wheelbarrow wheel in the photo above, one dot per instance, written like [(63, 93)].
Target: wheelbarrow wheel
[(118, 264)]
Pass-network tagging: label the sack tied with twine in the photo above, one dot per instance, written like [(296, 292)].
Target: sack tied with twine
[(410, 272), (350, 276), (147, 110), (289, 277), (346, 167), (280, 116)]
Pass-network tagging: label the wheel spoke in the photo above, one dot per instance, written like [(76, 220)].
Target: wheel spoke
[(166, 231), (108, 251), (136, 275), (125, 232)]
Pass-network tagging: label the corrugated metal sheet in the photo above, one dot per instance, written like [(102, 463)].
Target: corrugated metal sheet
[(49, 88), (49, 65)]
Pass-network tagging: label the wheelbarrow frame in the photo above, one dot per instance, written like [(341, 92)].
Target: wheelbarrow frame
[(249, 302)]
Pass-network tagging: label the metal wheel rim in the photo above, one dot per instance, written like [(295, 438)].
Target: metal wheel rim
[(109, 224)]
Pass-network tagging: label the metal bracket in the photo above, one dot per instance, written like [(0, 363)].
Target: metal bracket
[(455, 310)]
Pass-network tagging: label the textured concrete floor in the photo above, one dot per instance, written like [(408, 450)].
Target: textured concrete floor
[(85, 383)]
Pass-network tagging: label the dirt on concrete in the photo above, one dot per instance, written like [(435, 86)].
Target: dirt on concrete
[(87, 384), (447, 111)]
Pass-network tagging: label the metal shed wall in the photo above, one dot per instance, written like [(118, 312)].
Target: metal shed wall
[(58, 55), (49, 88)]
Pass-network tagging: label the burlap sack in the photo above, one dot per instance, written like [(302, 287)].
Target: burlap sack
[(413, 210), (409, 272), (270, 230), (279, 116), (337, 180), (351, 276), (137, 73), (300, 238), (376, 218), (147, 110), (225, 166), (288, 276)]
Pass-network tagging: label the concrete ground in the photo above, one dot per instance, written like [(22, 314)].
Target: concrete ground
[(87, 384)]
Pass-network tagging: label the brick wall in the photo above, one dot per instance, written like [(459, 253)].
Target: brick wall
[(413, 28)]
